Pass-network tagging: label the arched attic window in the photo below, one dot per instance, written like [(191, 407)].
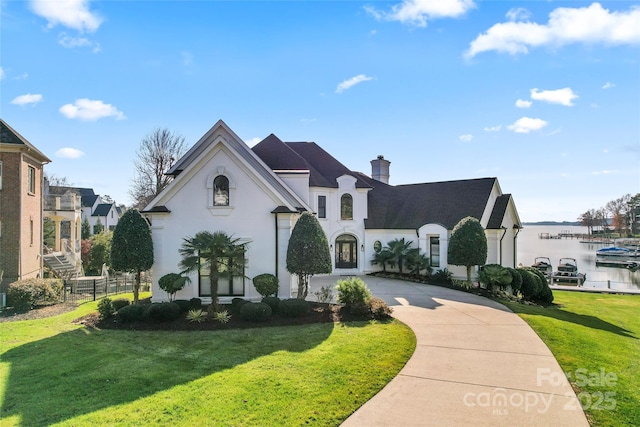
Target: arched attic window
[(221, 191), (346, 207)]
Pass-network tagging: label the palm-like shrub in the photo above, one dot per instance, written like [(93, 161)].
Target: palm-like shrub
[(399, 248), (495, 276), (383, 258), (417, 262)]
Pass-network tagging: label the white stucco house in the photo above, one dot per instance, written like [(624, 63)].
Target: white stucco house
[(256, 194)]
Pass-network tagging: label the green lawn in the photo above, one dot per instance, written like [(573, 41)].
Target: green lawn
[(596, 340), (54, 372)]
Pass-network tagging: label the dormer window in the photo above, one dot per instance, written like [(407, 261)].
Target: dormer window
[(221, 191), (346, 207)]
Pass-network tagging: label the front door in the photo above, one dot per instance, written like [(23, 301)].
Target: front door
[(346, 252)]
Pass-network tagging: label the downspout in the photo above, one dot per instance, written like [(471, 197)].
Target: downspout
[(503, 234), (515, 245), (275, 215)]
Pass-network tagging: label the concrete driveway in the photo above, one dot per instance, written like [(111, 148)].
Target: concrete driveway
[(476, 363)]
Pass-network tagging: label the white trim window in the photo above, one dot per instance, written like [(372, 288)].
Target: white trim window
[(31, 180)]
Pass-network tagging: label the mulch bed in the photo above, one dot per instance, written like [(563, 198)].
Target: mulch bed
[(319, 313), (11, 315)]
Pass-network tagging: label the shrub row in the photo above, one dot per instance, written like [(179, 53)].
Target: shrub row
[(26, 294), (530, 282)]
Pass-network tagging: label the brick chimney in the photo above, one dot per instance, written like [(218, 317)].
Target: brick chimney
[(380, 169)]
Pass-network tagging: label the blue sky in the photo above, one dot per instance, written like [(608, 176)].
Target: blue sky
[(543, 95)]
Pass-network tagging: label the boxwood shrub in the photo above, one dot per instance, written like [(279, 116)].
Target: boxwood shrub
[(119, 303), (293, 307), (237, 303), (130, 313), (273, 302), (163, 311), (255, 312), (195, 303), (185, 305), (266, 284)]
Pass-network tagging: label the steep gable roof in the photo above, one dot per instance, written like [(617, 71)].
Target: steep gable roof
[(89, 201), (102, 209), (411, 206), (9, 138), (221, 133), (499, 211), (323, 168)]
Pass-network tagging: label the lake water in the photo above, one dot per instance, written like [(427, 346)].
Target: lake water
[(531, 246)]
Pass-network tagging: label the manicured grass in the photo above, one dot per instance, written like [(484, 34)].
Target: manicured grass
[(596, 340), (56, 372)]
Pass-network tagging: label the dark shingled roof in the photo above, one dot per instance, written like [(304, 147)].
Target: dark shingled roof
[(102, 209), (9, 136), (88, 201), (499, 211), (161, 208), (323, 168), (412, 206)]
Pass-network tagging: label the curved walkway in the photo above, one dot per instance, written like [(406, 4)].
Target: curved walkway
[(476, 363)]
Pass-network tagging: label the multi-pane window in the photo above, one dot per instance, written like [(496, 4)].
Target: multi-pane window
[(322, 206), (346, 207), (434, 251), (32, 180), (227, 286), (221, 191)]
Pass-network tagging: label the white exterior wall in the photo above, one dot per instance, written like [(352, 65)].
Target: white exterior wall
[(248, 217), (384, 237)]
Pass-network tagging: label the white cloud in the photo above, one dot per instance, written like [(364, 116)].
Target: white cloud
[(90, 110), (73, 14), (592, 24), (352, 82), (527, 124), (466, 138), (563, 96), (608, 85), (71, 42), (2, 74), (605, 172), (418, 12), (23, 76), (518, 14), (69, 153), (493, 128), (521, 103), (27, 99)]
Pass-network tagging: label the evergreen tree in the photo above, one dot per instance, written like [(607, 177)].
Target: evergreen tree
[(132, 247), (85, 230), (308, 252), (98, 227)]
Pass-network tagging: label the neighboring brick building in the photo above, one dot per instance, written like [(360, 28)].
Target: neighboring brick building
[(21, 183)]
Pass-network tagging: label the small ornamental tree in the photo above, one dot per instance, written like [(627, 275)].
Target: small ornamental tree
[(132, 247), (467, 245), (218, 254), (308, 252), (172, 283)]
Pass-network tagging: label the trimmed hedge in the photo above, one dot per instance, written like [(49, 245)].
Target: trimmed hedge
[(255, 312), (185, 305), (273, 302), (119, 303), (293, 307), (130, 313), (26, 294), (163, 311)]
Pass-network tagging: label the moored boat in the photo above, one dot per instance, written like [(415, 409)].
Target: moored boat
[(568, 272), (618, 251), (544, 265)]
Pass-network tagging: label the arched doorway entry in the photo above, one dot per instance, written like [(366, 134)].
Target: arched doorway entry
[(346, 251)]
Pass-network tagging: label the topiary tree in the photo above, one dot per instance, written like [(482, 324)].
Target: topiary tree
[(132, 247), (266, 284), (85, 229), (467, 245), (308, 252), (172, 283)]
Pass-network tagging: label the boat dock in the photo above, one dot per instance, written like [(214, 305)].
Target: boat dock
[(631, 265), (565, 235)]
